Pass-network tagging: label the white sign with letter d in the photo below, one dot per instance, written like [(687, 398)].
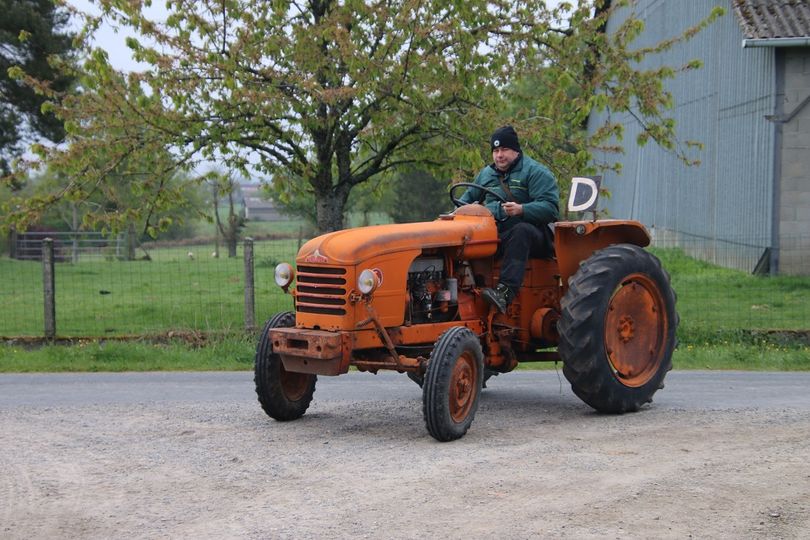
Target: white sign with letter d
[(584, 193)]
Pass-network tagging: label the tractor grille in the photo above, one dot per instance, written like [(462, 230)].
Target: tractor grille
[(321, 290)]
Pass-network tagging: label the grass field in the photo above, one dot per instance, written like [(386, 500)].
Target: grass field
[(235, 352), (171, 292), (718, 305), (179, 289), (174, 292), (728, 318)]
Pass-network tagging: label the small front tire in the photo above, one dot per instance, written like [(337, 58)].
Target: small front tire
[(452, 384), (284, 395)]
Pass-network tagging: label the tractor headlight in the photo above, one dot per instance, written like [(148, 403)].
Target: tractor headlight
[(284, 275), (369, 280)]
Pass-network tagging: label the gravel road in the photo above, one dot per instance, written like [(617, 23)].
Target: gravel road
[(718, 455)]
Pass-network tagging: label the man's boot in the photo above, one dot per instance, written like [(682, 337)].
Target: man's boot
[(500, 297)]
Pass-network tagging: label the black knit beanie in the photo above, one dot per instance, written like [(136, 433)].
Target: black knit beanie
[(505, 137)]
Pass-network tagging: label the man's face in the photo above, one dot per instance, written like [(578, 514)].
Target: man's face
[(503, 157)]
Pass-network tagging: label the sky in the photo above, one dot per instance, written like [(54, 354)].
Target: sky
[(113, 40)]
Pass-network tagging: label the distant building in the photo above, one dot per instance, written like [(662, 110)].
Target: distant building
[(257, 206), (747, 205)]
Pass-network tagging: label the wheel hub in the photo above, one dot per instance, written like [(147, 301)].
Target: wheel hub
[(625, 328), (463, 387), (294, 385), (635, 330), (462, 394)]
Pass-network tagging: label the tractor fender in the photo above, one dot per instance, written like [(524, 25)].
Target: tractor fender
[(575, 241)]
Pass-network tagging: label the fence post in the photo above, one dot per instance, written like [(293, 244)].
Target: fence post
[(49, 288), (12, 243), (250, 306)]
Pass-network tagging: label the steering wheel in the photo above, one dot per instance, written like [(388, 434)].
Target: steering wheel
[(484, 191)]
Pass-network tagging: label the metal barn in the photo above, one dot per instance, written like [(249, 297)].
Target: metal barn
[(747, 205)]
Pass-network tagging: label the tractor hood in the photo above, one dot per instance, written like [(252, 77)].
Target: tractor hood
[(471, 228)]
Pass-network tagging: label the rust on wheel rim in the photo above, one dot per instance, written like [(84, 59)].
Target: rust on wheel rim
[(294, 385), (635, 330), (462, 387)]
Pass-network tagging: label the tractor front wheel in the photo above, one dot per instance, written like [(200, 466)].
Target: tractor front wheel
[(452, 384), (617, 329), (284, 395)]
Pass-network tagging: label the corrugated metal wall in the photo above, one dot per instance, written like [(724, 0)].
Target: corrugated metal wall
[(720, 210)]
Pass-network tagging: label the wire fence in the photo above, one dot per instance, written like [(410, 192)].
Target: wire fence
[(72, 246), (186, 289), (174, 290), (728, 287)]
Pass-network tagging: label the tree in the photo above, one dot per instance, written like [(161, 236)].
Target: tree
[(119, 167), (121, 197), (323, 96), (225, 186), (416, 196), (33, 37)]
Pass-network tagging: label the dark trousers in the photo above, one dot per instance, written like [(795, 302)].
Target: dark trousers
[(518, 244)]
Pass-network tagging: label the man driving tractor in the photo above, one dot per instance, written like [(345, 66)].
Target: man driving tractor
[(532, 196), (418, 298)]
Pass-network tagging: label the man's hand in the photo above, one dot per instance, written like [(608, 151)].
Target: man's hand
[(512, 209)]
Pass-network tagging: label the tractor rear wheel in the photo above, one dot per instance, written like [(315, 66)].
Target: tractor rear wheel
[(284, 395), (617, 329), (452, 384)]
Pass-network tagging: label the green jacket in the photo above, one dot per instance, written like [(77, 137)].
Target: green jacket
[(531, 184)]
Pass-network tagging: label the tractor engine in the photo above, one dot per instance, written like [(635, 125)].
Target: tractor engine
[(432, 296)]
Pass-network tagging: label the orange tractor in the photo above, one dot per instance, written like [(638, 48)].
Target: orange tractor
[(406, 297)]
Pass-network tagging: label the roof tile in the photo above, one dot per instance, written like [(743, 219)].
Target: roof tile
[(766, 19)]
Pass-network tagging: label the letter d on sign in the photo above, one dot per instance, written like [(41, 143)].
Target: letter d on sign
[(584, 193)]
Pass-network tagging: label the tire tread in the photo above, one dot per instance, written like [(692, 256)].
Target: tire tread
[(585, 363)]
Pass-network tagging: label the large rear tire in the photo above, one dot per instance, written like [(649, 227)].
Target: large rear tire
[(452, 384), (283, 395), (617, 329)]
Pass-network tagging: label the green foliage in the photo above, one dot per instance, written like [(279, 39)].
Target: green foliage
[(580, 69), (119, 171), (324, 96), (33, 41), (184, 218), (121, 200), (417, 196)]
